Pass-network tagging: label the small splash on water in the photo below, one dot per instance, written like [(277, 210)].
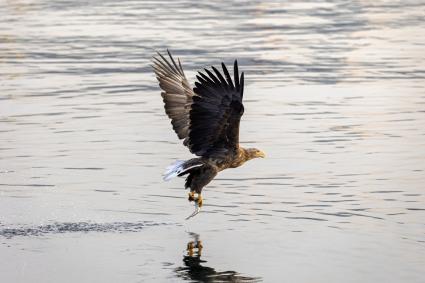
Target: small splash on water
[(76, 227)]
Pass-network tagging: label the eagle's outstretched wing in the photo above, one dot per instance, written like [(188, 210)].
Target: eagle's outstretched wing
[(216, 112), (177, 93), (208, 116)]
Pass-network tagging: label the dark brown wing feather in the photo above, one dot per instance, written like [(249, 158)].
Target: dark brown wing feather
[(177, 93), (216, 112)]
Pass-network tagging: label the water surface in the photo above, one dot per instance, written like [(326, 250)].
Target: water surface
[(334, 96)]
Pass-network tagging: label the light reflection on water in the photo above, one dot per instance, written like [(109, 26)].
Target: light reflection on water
[(334, 96)]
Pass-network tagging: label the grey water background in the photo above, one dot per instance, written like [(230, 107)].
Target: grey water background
[(334, 96)]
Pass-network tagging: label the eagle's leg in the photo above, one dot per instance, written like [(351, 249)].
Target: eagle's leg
[(196, 181), (197, 200), (191, 196), (198, 203)]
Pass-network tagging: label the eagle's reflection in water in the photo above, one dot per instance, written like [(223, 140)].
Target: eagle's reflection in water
[(194, 268)]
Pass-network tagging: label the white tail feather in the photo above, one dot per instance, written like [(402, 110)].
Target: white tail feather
[(176, 169)]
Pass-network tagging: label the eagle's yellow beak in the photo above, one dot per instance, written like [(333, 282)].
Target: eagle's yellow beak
[(261, 154)]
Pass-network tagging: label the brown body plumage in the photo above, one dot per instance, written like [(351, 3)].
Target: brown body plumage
[(207, 118)]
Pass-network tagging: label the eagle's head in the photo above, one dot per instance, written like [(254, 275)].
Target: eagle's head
[(254, 153)]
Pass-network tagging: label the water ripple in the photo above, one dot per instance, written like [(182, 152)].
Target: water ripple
[(75, 227)]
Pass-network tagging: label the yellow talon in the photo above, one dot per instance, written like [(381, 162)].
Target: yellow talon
[(198, 204), (199, 200), (191, 196)]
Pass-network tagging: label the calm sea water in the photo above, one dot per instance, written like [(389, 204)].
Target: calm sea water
[(334, 95)]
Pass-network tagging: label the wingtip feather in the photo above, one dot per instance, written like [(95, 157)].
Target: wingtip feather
[(236, 75)]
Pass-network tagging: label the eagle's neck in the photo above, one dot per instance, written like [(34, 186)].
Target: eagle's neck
[(241, 157)]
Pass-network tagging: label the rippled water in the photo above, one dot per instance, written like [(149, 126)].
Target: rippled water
[(334, 96)]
